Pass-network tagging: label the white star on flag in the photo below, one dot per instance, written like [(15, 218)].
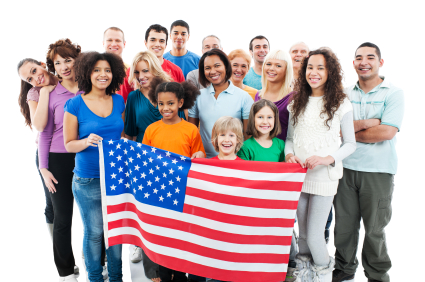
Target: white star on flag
[(140, 187), (149, 183), (175, 202), (130, 171), (143, 175), (127, 174), (162, 187), (164, 163), (171, 171), (150, 171), (174, 161), (155, 191), (161, 198), (131, 148), (135, 179), (145, 163), (157, 167), (120, 169), (150, 160), (126, 163), (125, 140), (113, 175), (153, 149), (112, 164), (178, 178), (110, 142), (177, 190), (168, 194), (146, 195), (182, 158), (171, 182), (139, 156), (164, 175), (119, 157), (144, 152), (130, 159), (139, 145), (134, 190), (125, 151), (156, 178), (113, 187), (180, 167), (159, 157), (137, 167), (118, 146), (120, 181), (168, 154), (127, 185)]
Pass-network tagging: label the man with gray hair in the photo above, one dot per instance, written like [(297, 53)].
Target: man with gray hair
[(298, 52), (208, 43)]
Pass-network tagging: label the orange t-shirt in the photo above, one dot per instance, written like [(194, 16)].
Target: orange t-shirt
[(182, 138)]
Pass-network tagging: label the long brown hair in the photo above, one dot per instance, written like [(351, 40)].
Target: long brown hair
[(334, 91)]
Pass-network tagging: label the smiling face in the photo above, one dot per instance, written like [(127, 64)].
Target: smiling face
[(113, 42), (275, 70), (179, 36), (264, 121), (239, 69), (316, 73), (34, 74), (210, 43), (367, 63), (227, 142), (156, 43), (101, 76), (143, 74), (64, 67), (260, 49), (298, 53), (215, 71), (168, 106)]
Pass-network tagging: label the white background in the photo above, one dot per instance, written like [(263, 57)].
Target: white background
[(28, 27)]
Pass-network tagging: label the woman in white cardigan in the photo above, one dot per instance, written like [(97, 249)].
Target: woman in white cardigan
[(319, 113)]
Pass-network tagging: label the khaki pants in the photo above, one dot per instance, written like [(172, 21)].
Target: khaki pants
[(367, 196)]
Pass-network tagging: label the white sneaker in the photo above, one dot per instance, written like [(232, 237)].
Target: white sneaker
[(137, 255), (69, 278), (105, 272), (76, 269)]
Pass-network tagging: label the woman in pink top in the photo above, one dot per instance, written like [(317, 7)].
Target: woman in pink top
[(56, 164)]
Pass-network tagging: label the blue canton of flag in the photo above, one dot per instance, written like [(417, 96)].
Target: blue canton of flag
[(154, 176)]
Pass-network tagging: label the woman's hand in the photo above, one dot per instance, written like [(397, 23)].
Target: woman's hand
[(314, 161), (49, 179), (47, 89), (198, 154), (93, 140), (290, 158)]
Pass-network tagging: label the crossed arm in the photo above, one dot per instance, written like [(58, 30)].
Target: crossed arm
[(372, 131)]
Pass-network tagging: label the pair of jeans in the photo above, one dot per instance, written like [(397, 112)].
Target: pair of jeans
[(367, 196), (48, 210), (87, 194)]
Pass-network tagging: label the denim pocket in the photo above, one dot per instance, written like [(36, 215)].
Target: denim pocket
[(83, 181)]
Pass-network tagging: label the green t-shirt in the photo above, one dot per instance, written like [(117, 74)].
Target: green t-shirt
[(252, 151)]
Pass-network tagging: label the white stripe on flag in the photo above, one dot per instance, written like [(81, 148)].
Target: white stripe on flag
[(242, 191), (196, 239), (249, 175), (239, 210), (205, 222), (226, 265)]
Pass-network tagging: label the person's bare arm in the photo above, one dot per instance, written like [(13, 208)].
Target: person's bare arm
[(39, 111), (376, 134), (365, 124), (245, 126), (194, 121), (70, 135)]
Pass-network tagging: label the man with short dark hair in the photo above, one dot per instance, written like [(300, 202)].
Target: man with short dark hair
[(208, 43), (366, 188), (179, 55), (259, 47)]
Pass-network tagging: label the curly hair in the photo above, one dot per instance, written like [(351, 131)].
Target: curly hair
[(84, 65), (64, 48), (334, 91), (185, 90)]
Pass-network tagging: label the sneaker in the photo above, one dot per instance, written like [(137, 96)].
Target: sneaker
[(76, 269), (327, 236), (69, 278), (105, 272), (137, 255), (339, 276)]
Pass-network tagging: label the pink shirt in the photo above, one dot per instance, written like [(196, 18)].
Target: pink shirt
[(34, 95)]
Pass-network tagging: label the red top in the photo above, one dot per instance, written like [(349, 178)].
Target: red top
[(216, 158), (173, 71)]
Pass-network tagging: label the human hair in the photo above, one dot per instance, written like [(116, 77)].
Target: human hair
[(334, 91), (256, 107), (219, 41), (368, 44), (289, 75), (222, 125), (185, 90), (158, 28), (223, 57), (64, 48), (258, 37), (180, 23), (84, 66), (240, 53), (297, 43), (25, 87), (116, 29), (154, 66)]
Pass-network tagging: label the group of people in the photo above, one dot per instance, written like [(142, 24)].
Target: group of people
[(286, 107)]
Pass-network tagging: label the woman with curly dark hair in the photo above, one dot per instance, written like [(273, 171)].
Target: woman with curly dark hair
[(317, 114), (55, 163), (95, 115)]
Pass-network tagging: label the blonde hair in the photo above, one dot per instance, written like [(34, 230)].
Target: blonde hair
[(224, 124), (289, 75), (240, 53), (154, 66)]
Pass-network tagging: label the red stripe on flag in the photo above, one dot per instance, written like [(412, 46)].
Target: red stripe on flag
[(252, 184), (198, 269), (238, 219), (200, 230), (241, 201), (198, 249), (268, 167)]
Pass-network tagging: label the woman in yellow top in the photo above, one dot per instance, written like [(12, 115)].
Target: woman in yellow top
[(240, 60)]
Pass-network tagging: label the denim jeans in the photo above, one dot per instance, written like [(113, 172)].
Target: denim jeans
[(48, 211), (87, 194)]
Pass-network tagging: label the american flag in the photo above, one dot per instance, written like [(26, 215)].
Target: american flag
[(227, 220)]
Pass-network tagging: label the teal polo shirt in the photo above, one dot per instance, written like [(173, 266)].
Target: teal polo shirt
[(233, 102), (384, 102)]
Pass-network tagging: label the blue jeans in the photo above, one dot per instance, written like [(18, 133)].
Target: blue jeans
[(87, 194), (48, 211)]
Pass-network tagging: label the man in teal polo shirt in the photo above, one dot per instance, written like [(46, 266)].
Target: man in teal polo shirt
[(365, 191)]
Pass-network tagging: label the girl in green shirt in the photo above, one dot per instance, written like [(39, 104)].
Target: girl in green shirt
[(264, 126)]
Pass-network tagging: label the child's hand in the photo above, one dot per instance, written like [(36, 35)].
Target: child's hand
[(290, 158), (314, 161), (198, 154)]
